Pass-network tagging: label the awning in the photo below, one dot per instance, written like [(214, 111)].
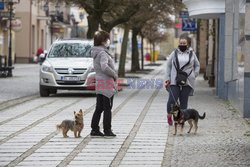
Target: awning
[(205, 8)]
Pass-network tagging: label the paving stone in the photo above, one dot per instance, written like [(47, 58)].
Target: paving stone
[(219, 142), (86, 163), (136, 162)]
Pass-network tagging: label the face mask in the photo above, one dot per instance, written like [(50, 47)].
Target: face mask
[(107, 44), (183, 48)]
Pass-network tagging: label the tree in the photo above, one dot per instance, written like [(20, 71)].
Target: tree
[(155, 34), (155, 16), (110, 13), (123, 55), (106, 13)]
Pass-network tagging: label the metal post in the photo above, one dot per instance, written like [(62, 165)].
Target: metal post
[(10, 41), (51, 29)]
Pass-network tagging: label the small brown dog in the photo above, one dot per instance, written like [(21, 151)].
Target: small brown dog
[(75, 126)]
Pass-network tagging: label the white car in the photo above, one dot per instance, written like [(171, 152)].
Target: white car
[(67, 65)]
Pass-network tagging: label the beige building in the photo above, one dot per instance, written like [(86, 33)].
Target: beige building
[(42, 23)]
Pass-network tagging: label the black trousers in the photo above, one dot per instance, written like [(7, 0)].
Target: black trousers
[(105, 104), (181, 93)]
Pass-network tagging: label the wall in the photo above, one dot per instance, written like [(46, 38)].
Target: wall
[(246, 106)]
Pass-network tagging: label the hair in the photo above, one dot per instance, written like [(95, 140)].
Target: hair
[(100, 37), (186, 37)]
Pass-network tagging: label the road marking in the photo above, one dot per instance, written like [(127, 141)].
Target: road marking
[(37, 122), (41, 143), (26, 112), (126, 144), (87, 139), (11, 103), (166, 162)]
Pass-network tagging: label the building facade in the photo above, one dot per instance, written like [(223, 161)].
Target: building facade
[(42, 23)]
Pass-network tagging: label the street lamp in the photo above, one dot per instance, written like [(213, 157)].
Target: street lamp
[(10, 40), (10, 4)]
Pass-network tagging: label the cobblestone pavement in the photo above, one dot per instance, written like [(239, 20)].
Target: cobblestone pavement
[(220, 140), (28, 136)]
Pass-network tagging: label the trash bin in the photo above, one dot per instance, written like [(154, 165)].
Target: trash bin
[(148, 57)]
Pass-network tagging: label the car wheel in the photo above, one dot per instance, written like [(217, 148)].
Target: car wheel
[(53, 91), (44, 92)]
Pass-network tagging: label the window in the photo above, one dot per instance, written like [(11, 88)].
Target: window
[(65, 50)]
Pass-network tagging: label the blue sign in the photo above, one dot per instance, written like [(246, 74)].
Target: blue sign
[(1, 6), (184, 14), (188, 24), (139, 45)]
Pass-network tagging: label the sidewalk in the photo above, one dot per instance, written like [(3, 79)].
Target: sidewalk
[(28, 136), (220, 140)]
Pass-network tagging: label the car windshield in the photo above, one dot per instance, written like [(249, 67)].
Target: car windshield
[(64, 50)]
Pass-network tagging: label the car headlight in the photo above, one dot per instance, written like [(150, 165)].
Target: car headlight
[(46, 68)]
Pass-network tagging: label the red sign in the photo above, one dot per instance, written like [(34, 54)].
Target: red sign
[(178, 23)]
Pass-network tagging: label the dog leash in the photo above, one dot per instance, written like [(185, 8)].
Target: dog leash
[(176, 102)]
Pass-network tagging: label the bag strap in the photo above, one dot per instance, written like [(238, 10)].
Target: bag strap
[(190, 56), (176, 63)]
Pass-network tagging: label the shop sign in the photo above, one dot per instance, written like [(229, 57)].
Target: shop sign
[(188, 24), (16, 25)]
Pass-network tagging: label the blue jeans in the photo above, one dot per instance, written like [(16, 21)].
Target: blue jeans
[(178, 93)]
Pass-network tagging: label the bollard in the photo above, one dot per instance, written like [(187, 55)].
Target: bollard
[(3, 66)]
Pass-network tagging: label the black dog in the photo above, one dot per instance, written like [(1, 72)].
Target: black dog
[(190, 115)]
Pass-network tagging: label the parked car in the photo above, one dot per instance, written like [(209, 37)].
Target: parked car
[(67, 65)]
